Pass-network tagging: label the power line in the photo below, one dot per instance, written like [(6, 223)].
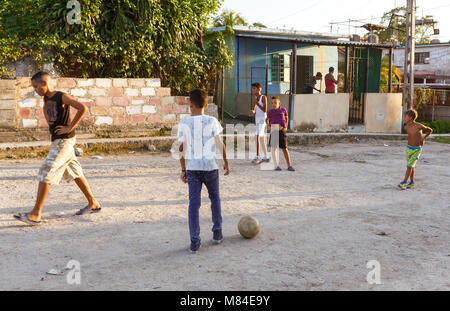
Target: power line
[(369, 19), (302, 10)]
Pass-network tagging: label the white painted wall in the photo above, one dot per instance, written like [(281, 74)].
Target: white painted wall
[(383, 112), (327, 112)]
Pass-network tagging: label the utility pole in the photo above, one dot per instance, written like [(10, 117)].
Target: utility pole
[(410, 46)]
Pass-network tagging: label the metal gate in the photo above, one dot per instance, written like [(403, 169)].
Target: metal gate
[(356, 86), (364, 77)]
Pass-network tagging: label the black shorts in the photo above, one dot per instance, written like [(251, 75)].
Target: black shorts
[(282, 143)]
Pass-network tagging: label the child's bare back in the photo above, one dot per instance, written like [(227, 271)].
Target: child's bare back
[(414, 131)]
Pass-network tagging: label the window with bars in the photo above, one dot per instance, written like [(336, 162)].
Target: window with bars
[(280, 68), (422, 58)]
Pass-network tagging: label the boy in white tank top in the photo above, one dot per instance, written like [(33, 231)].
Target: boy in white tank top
[(260, 111)]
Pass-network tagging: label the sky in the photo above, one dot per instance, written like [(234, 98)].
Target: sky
[(315, 15)]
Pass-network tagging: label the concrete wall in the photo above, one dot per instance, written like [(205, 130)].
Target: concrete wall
[(110, 102), (321, 112), (383, 112)]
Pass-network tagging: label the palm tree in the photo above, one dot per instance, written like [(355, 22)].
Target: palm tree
[(260, 25), (229, 18)]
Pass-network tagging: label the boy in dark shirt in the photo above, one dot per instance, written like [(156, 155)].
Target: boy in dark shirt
[(312, 83), (61, 160)]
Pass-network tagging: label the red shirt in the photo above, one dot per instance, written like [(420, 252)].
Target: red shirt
[(329, 85)]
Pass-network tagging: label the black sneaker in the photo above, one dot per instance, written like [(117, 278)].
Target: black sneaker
[(278, 168), (217, 237), (194, 248)]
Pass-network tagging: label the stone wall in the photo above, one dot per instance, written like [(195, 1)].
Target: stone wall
[(7, 103), (110, 102)]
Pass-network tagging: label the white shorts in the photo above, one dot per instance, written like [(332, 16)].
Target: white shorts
[(260, 129), (60, 162)]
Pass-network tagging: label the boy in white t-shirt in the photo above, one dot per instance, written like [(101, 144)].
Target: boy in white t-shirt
[(199, 136), (260, 111)]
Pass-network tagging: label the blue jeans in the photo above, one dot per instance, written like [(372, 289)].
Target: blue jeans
[(196, 179)]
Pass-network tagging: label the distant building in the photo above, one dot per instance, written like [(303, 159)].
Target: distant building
[(432, 62)]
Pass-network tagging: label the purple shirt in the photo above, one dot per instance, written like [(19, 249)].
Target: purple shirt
[(278, 116)]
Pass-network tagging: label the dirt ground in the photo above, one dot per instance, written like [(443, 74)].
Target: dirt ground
[(319, 225)]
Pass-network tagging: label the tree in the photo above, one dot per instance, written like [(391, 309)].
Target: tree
[(259, 25), (229, 18), (384, 80), (119, 38), (396, 32)]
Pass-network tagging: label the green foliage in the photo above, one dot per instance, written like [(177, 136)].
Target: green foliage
[(442, 140), (397, 29), (438, 126), (261, 25), (18, 29), (118, 38), (229, 18), (384, 76), (423, 97)]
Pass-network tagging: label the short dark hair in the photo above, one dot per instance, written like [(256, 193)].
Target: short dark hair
[(412, 113), (277, 98), (257, 85), (331, 69), (319, 74), (40, 76), (199, 98)]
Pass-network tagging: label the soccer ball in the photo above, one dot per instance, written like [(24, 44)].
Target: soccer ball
[(248, 227)]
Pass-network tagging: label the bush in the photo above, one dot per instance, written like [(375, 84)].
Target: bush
[(439, 126), (118, 38)]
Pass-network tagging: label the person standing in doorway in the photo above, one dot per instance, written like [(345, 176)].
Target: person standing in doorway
[(330, 82), (312, 83)]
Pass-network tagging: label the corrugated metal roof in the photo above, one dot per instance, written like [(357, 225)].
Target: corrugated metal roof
[(314, 41), (281, 32), (431, 45)]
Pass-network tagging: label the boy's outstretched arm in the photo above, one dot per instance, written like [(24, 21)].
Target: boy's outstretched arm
[(81, 111), (221, 145)]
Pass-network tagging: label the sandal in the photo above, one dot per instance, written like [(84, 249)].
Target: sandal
[(87, 210), (23, 217)]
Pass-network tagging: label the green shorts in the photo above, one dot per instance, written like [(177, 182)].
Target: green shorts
[(413, 155)]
